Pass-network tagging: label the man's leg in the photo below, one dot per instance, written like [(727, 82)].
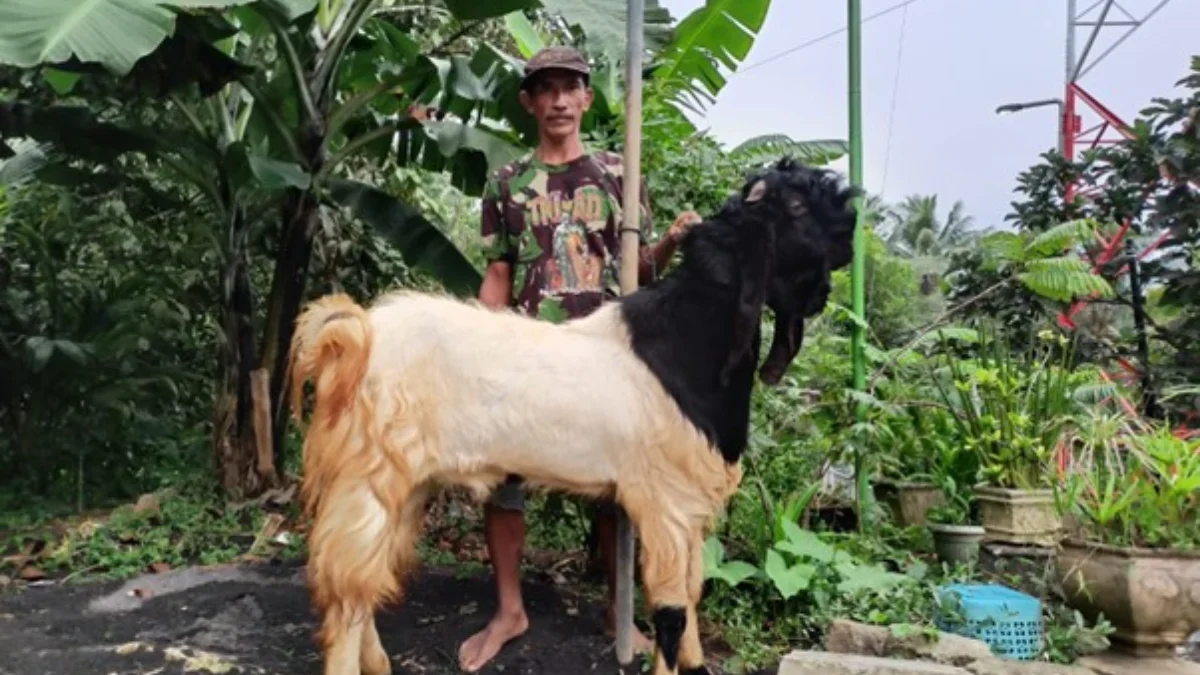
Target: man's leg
[(606, 533), (504, 527)]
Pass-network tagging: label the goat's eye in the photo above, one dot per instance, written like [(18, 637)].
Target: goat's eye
[(796, 207)]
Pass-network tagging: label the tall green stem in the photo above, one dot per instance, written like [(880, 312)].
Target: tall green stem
[(858, 267)]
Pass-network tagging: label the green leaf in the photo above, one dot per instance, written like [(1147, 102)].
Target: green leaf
[(276, 175), (71, 350), (604, 24), (114, 33), (769, 148), (1060, 238), (291, 9), (789, 581), (1064, 279), (1002, 248), (718, 34), (867, 577), (805, 544), (473, 10), (452, 136), (61, 81), (732, 573), (523, 33), (418, 240), (735, 572), (41, 349)]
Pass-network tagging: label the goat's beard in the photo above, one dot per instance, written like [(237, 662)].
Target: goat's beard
[(789, 334)]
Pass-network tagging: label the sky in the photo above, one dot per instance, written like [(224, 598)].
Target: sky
[(959, 60)]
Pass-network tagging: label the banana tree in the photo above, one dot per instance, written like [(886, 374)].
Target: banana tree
[(281, 87)]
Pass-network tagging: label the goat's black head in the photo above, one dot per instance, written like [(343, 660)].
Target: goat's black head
[(796, 227)]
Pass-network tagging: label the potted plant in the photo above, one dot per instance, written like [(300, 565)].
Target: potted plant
[(956, 538), (954, 524), (1012, 415), (1133, 553), (909, 440)]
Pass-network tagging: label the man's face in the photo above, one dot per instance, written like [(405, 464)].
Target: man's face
[(557, 100)]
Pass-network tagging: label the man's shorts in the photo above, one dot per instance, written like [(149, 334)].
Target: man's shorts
[(510, 496)]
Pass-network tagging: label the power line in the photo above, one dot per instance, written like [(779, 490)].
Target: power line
[(887, 155), (822, 38)]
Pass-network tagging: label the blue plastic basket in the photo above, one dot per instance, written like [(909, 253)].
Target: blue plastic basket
[(1010, 622)]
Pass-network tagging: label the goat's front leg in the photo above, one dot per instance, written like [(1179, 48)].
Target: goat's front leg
[(665, 566), (691, 652)]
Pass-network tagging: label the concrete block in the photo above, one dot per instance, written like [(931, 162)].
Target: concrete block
[(995, 666), (826, 663), (1120, 664)]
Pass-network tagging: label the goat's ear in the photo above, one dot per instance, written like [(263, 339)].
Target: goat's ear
[(755, 251), (789, 335), (756, 192)]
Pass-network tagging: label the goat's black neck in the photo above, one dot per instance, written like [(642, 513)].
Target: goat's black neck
[(682, 328)]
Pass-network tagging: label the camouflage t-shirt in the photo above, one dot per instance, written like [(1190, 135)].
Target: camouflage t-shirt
[(559, 227)]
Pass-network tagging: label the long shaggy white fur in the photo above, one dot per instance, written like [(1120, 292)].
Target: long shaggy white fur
[(424, 390)]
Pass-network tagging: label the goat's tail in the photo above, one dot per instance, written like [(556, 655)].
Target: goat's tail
[(331, 345)]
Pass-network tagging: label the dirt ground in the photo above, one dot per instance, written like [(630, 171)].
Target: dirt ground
[(257, 619)]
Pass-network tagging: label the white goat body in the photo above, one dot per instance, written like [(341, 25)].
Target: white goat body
[(423, 390)]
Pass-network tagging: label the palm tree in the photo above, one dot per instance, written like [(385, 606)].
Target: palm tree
[(917, 231)]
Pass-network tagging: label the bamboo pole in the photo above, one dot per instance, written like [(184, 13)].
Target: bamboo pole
[(630, 228), (858, 266)]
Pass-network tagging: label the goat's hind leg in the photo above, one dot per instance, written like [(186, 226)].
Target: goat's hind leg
[(352, 568)]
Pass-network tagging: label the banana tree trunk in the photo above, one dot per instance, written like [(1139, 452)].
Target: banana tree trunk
[(234, 447), (303, 217)]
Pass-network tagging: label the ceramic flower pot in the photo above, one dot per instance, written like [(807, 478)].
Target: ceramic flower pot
[(956, 544), (908, 502), (1150, 596), (1019, 516)]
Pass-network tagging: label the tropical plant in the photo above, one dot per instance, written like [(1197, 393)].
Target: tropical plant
[(1135, 484), (1010, 411), (918, 231)]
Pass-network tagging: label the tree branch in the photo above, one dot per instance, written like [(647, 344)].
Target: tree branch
[(938, 322)]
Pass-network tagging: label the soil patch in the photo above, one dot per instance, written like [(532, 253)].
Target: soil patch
[(257, 619)]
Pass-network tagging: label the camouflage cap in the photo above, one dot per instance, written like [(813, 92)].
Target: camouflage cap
[(556, 58)]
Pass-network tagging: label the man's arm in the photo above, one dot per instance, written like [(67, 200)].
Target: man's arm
[(498, 249), (653, 259), (496, 290)]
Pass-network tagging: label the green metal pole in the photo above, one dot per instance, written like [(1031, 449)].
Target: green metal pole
[(858, 267)]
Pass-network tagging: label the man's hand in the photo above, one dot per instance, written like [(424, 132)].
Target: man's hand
[(681, 225), (654, 259)]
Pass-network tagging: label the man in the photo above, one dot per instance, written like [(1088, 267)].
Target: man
[(551, 228)]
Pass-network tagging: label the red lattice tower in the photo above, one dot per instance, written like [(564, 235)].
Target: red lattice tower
[(1085, 123)]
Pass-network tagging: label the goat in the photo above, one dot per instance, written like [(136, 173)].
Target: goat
[(645, 401)]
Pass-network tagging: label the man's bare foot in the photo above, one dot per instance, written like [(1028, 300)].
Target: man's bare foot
[(487, 643)]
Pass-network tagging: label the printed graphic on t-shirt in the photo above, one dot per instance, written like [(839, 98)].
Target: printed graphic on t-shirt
[(558, 225)]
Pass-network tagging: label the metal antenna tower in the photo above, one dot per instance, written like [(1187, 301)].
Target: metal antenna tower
[(1103, 127)]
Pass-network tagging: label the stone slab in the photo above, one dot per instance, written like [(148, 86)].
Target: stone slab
[(996, 666), (825, 663), (851, 637), (1120, 664)]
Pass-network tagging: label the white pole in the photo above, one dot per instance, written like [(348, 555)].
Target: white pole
[(630, 228)]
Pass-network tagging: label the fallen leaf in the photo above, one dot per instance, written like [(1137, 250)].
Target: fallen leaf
[(128, 648), (32, 573), (142, 593), (160, 567)]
